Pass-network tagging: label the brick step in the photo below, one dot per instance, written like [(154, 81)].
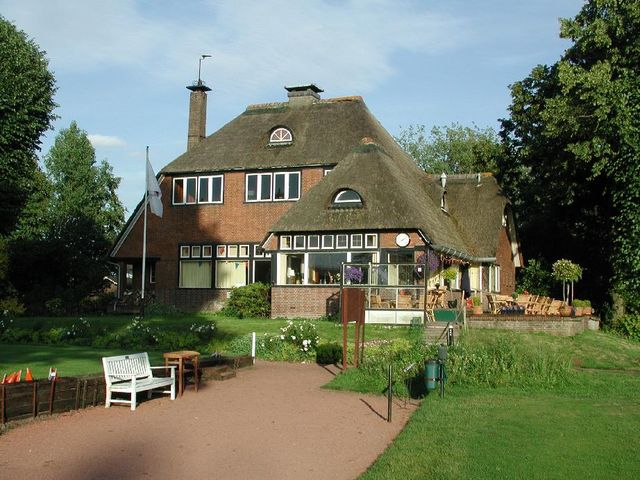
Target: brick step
[(219, 373)]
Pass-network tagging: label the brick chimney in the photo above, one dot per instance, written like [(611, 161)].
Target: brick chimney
[(197, 113), (303, 94)]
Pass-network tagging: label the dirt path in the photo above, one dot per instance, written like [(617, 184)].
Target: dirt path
[(271, 422)]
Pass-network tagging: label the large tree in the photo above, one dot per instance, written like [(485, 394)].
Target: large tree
[(26, 105), (451, 149), (573, 138), (61, 244)]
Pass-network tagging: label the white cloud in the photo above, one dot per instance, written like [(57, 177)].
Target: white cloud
[(347, 45), (98, 140)]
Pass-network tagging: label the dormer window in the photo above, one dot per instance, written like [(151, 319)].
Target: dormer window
[(347, 197), (280, 135)]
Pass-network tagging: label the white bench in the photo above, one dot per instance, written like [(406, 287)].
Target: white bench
[(132, 374)]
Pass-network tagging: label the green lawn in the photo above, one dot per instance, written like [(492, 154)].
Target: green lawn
[(587, 428)]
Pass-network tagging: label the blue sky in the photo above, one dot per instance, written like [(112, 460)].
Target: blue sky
[(122, 65)]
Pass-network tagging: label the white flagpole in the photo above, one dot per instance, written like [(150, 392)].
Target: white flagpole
[(144, 231)]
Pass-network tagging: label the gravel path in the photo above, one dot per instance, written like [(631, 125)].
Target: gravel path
[(271, 422)]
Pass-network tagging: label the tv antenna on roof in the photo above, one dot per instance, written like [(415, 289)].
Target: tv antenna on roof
[(202, 57)]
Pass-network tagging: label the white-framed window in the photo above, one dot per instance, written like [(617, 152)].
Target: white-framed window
[(195, 274), (210, 189), (207, 251), (475, 278), (221, 251), (185, 251), (258, 187), (285, 242), (347, 197), (342, 240), (231, 273), (298, 242), (244, 251), (356, 240), (314, 242), (232, 251), (257, 251), (371, 240), (152, 272), (327, 241), (185, 190), (286, 186), (196, 251), (281, 135)]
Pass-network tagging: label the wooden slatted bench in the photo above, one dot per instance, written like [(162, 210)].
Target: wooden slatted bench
[(132, 374)]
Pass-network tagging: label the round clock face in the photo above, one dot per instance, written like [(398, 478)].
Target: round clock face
[(402, 240)]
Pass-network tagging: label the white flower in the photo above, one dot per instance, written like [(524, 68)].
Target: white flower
[(281, 337), (293, 337)]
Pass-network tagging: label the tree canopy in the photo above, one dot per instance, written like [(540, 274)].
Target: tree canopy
[(452, 149), (61, 244), (26, 112), (573, 148)]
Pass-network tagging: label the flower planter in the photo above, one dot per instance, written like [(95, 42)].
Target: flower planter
[(578, 311), (565, 311), (476, 310), (588, 311)]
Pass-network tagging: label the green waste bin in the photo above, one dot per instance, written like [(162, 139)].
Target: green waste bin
[(431, 374)]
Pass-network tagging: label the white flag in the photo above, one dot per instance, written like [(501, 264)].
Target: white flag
[(153, 191)]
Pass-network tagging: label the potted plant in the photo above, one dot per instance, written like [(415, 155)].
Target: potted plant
[(578, 307), (567, 272), (476, 301), (449, 275), (586, 308)]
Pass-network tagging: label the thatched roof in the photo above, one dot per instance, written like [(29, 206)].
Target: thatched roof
[(324, 132), (397, 196)]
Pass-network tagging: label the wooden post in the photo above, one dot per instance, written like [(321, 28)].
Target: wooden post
[(77, 404), (51, 395), (35, 400), (389, 395), (2, 404), (95, 393)]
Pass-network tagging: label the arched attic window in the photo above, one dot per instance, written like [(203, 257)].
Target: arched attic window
[(347, 198), (280, 135)]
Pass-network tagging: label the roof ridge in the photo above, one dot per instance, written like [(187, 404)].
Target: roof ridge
[(268, 105)]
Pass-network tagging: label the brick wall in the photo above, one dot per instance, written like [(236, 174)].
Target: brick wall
[(306, 301), (232, 222), (561, 326)]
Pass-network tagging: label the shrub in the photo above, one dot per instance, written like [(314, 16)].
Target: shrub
[(95, 303), (328, 353), (161, 309), (55, 307), (629, 326), (476, 301), (204, 331), (534, 278), (240, 345), (249, 301), (11, 307), (303, 334), (79, 332)]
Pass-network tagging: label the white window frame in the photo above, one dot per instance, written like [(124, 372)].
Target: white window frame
[(210, 188), (185, 251), (256, 251), (207, 251), (373, 243), (287, 196), (221, 251), (341, 193), (317, 237), (196, 251), (281, 135), (184, 181), (357, 235), (258, 187), (232, 251), (243, 251), (344, 244), (297, 246), (325, 245), (285, 242)]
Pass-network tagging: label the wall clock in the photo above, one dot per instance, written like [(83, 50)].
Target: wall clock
[(402, 240)]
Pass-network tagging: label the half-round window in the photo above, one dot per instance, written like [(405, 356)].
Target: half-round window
[(347, 197), (281, 135)]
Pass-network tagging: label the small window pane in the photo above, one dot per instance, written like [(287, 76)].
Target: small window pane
[(280, 135), (232, 251), (191, 190), (252, 187), (244, 250), (285, 242), (178, 191), (294, 186), (314, 241), (298, 242), (342, 241), (216, 189), (347, 196), (327, 241), (371, 240), (257, 251), (207, 251), (265, 187), (195, 252), (278, 186), (185, 251), (203, 190), (221, 251), (356, 240)]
